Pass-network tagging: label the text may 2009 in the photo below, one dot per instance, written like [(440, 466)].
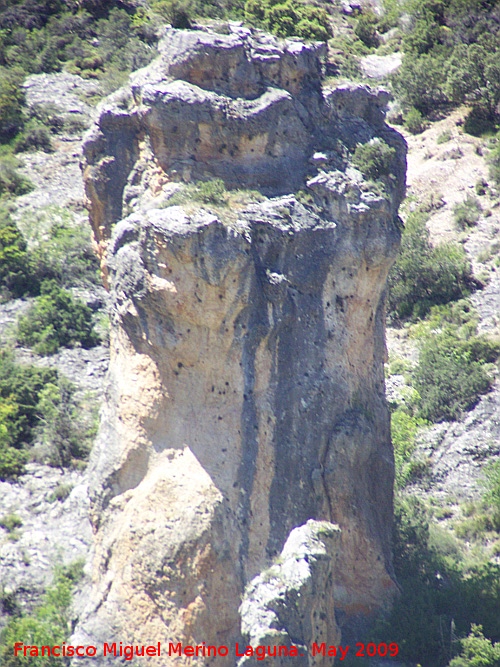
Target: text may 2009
[(130, 651)]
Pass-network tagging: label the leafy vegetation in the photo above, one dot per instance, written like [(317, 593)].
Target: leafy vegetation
[(451, 57), (451, 374), (53, 246), (60, 247), (10, 522), (454, 363), (404, 428), (12, 183), (11, 102), (56, 320), (20, 388), (425, 275), (38, 407), (289, 17), (414, 121), (374, 159), (48, 625), (441, 594), (16, 271), (477, 651), (101, 39), (467, 213), (492, 495)]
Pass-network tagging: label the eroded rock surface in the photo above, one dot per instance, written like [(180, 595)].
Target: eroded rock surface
[(246, 390), (290, 604)]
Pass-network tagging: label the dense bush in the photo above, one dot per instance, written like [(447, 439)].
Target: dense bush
[(451, 374), (60, 246), (477, 651), (494, 164), (492, 496), (57, 247), (11, 181), (374, 159), (289, 17), (11, 102), (466, 213), (34, 137), (440, 595), (16, 269), (419, 83), (366, 29), (424, 275), (414, 121), (39, 417), (61, 435), (38, 38), (56, 320), (404, 428), (20, 388), (48, 625), (451, 57)]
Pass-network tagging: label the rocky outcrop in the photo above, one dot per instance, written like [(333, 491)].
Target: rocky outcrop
[(290, 604), (246, 391)]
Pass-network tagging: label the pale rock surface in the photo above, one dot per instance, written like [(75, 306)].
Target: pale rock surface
[(53, 532), (246, 388), (290, 603)]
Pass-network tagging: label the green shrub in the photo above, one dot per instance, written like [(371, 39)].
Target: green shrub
[(404, 428), (211, 192), (444, 137), (16, 268), (419, 83), (494, 164), (60, 247), (179, 13), (424, 275), (47, 626), (60, 493), (61, 436), (451, 374), (474, 527), (206, 192), (414, 121), (56, 320), (492, 494), (12, 460), (366, 29), (11, 181), (374, 159), (477, 651), (10, 522), (20, 387), (289, 17), (11, 103), (439, 594), (34, 137), (467, 213), (39, 407), (477, 122)]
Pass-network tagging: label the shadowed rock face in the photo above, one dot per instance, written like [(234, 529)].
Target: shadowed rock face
[(246, 391)]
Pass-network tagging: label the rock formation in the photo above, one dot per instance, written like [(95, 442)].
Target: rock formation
[(246, 389)]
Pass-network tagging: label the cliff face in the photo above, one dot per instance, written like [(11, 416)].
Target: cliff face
[(246, 390)]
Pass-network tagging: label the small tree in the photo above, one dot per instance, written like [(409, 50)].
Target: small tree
[(56, 320), (477, 651)]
